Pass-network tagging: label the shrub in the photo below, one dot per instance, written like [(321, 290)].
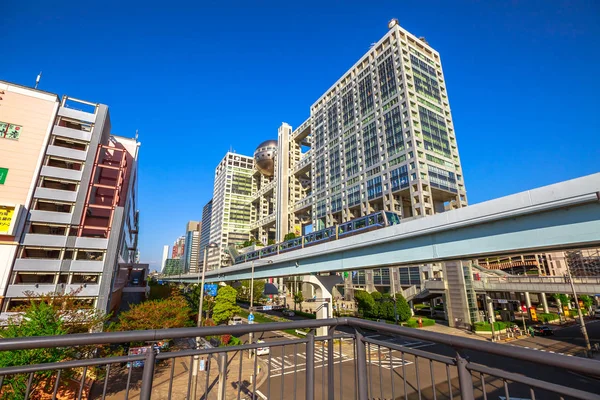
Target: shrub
[(487, 327), (414, 322)]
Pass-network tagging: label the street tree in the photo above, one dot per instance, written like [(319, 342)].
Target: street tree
[(49, 314), (225, 305), (402, 308), (298, 299), (243, 292), (289, 236), (365, 302), (587, 301), (172, 312), (193, 299)]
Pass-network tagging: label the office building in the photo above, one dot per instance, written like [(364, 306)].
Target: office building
[(543, 264), (74, 185), (165, 255), (231, 211), (191, 253), (178, 247), (173, 266), (205, 232), (380, 138)]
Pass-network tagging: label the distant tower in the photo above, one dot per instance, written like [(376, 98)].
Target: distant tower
[(264, 157), (164, 257)]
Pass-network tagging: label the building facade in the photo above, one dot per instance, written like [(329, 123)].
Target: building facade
[(381, 138), (231, 211), (178, 248), (543, 264), (191, 253), (205, 232), (81, 226)]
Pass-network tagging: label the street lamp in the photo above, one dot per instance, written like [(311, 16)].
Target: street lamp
[(251, 335), (588, 347), (195, 364)]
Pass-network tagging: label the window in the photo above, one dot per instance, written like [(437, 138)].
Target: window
[(48, 229), (37, 252), (90, 255), (42, 205), (51, 183), (69, 144), (31, 278), (63, 163), (85, 278)]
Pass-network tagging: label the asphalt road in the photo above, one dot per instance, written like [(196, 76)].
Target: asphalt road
[(391, 374)]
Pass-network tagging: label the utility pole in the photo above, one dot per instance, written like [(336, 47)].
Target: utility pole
[(588, 347)]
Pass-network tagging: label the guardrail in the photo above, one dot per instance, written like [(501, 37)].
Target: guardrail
[(350, 364), (592, 280)]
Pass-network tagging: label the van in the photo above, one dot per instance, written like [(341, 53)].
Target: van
[(236, 321)]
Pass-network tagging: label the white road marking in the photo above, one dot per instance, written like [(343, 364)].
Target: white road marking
[(262, 396)]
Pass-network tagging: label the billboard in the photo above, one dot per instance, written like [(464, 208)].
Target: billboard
[(7, 214), (210, 289)]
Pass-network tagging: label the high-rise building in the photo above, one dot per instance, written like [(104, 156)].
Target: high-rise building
[(173, 266), (230, 221), (76, 183), (205, 232), (164, 257), (191, 253), (381, 138), (178, 248)]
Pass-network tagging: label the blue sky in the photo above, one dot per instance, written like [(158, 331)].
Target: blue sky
[(199, 78)]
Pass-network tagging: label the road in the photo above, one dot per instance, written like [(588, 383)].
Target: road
[(386, 370)]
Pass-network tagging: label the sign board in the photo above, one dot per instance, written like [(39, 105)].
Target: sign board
[(533, 313), (566, 311), (267, 308), (502, 301), (134, 351), (202, 365), (250, 318), (210, 289), (6, 216), (3, 173)]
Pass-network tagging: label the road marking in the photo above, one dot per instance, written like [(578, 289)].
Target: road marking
[(304, 369), (262, 396), (385, 363)]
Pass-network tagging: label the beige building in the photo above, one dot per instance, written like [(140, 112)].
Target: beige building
[(543, 264), (26, 120)]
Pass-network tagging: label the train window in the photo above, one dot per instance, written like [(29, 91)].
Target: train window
[(380, 218), (361, 223), (371, 220)]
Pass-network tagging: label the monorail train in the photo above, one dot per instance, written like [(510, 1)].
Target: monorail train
[(359, 225)]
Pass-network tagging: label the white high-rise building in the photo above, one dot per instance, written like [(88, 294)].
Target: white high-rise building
[(230, 215)]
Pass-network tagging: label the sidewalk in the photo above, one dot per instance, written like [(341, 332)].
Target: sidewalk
[(208, 380)]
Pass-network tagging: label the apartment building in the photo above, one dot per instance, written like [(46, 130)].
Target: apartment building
[(178, 248), (81, 224), (230, 212), (380, 138), (191, 253)]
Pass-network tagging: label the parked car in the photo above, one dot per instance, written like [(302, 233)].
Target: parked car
[(262, 351), (287, 313), (542, 331), (236, 321), (597, 313)]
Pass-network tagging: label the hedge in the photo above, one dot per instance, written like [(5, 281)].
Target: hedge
[(305, 314), (545, 317), (487, 327)]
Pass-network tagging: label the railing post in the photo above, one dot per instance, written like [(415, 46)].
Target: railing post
[(223, 376), (465, 381), (310, 366), (361, 365), (148, 374), (330, 371)]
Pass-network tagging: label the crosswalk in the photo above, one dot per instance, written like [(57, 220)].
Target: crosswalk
[(290, 363), (385, 362), (535, 348)]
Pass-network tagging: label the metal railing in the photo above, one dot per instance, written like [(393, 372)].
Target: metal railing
[(357, 359), (589, 280)]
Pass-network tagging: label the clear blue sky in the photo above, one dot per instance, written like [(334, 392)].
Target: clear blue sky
[(197, 78)]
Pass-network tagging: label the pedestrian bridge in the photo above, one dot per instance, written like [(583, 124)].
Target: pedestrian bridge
[(559, 216), (535, 284)]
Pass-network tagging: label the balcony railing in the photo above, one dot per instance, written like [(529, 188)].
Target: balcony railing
[(353, 361)]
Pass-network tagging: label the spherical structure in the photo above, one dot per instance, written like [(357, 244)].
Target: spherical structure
[(264, 157)]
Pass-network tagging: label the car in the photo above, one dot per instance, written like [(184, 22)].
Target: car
[(542, 331), (135, 281), (597, 313), (236, 321), (262, 351), (287, 313)]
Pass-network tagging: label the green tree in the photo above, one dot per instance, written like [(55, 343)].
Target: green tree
[(243, 292), (365, 302), (193, 299), (172, 312), (587, 301), (225, 307), (376, 311), (386, 308), (289, 236), (403, 308), (298, 298), (562, 298), (48, 314)]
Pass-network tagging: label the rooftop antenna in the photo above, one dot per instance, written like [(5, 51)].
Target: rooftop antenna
[(37, 80), (136, 135)]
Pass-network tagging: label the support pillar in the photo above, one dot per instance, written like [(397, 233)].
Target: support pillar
[(323, 285), (527, 300), (544, 302), (490, 309)]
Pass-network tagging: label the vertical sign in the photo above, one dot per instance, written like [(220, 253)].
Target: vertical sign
[(3, 173), (6, 216)]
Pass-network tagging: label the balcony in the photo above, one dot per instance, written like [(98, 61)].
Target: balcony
[(37, 264), (302, 204), (66, 152), (304, 163), (86, 266), (91, 243), (42, 240), (51, 217), (20, 290), (76, 114), (353, 361), (83, 290), (56, 194), (63, 173), (72, 133)]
